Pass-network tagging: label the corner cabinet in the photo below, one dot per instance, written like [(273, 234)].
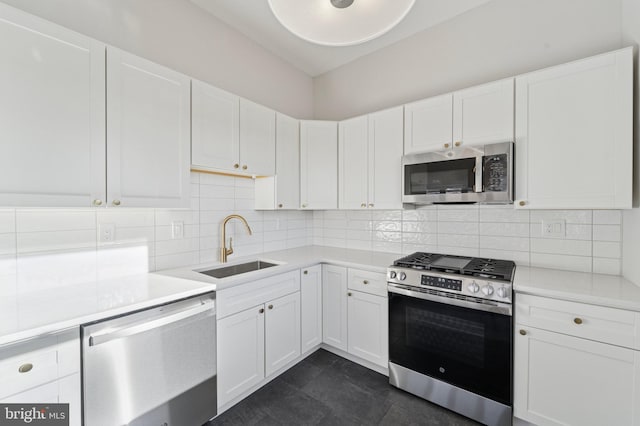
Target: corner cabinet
[(148, 117), (318, 165), (575, 364), (282, 191), (52, 114), (370, 157), (574, 134)]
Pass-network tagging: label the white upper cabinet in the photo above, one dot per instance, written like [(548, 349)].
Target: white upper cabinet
[(484, 114), (215, 122), (353, 168), (148, 133), (318, 165), (52, 109), (574, 134), (257, 139), (385, 159), (370, 155), (428, 124), (282, 191)]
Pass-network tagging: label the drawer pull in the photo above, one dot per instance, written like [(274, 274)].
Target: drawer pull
[(261, 310), (349, 294), (305, 272), (577, 320), (25, 368), (365, 282), (270, 306), (523, 332)]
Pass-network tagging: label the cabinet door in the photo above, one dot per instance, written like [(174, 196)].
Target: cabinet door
[(564, 380), (311, 307), (215, 121), (148, 133), (282, 332), (574, 144), (318, 165), (257, 139), (353, 169), (385, 159), (428, 124), (484, 114), (368, 319), (240, 352), (334, 306), (287, 162), (52, 108)]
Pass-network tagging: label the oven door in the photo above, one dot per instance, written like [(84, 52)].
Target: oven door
[(465, 347)]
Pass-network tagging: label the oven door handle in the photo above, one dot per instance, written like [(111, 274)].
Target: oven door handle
[(496, 309)]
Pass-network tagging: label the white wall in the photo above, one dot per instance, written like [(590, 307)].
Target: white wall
[(631, 218), (499, 39), (592, 242), (179, 35)]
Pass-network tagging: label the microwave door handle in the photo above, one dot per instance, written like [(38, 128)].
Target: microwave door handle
[(478, 187)]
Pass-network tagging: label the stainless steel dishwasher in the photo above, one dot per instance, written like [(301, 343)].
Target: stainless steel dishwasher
[(152, 367)]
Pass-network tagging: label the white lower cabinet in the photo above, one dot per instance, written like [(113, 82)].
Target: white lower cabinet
[(563, 379), (257, 341), (311, 307), (355, 317), (43, 370)]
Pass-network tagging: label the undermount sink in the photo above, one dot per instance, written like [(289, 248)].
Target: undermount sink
[(241, 268)]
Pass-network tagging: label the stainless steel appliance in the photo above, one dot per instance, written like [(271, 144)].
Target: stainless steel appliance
[(153, 367), (450, 333), (476, 174)]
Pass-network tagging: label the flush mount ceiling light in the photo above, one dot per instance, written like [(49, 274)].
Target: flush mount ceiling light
[(339, 22)]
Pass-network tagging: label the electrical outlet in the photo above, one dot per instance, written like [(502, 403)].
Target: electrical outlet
[(553, 229), (107, 232), (177, 230)]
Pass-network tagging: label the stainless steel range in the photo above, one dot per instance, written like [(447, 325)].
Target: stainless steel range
[(450, 333)]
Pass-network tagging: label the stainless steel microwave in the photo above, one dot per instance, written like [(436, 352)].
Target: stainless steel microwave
[(474, 174)]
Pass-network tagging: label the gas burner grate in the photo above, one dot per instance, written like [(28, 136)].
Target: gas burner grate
[(489, 268), (418, 260)]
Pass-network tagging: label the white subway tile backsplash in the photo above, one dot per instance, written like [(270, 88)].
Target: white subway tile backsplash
[(607, 217), (7, 244), (519, 257), (569, 216), (558, 246), (561, 261), (503, 214), (458, 214), (424, 227), (30, 242), (504, 243), (607, 266), (54, 220), (458, 240), (128, 218), (7, 221), (606, 233), (611, 250), (504, 229), (465, 228)]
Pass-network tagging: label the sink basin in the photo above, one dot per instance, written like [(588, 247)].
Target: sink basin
[(229, 271)]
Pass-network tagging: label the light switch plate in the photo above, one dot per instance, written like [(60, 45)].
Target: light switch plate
[(553, 229), (107, 232), (177, 230)]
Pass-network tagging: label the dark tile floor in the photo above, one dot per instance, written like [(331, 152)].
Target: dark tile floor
[(325, 389)]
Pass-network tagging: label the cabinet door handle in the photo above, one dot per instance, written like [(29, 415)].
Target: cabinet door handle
[(270, 306), (235, 166), (304, 206), (446, 145), (458, 143), (371, 205), (244, 167), (363, 205), (97, 202), (577, 320), (305, 272), (116, 202), (349, 294), (25, 368), (261, 310), (523, 332), (522, 203), (279, 206), (365, 282)]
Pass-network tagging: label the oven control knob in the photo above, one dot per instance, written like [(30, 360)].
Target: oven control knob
[(473, 287), (503, 292), (402, 276), (487, 290), (392, 274)]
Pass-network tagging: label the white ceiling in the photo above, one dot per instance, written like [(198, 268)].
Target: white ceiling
[(254, 19)]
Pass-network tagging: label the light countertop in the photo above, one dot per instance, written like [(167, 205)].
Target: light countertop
[(595, 289), (28, 315)]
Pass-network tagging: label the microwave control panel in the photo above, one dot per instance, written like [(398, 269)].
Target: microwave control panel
[(495, 173)]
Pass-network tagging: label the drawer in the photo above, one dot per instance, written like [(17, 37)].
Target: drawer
[(367, 282), (245, 296), (41, 360), (599, 323)]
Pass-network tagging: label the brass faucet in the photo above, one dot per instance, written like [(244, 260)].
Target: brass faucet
[(224, 251)]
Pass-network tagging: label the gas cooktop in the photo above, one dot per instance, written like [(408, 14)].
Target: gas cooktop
[(472, 266)]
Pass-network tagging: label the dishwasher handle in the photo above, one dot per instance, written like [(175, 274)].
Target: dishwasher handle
[(204, 310)]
